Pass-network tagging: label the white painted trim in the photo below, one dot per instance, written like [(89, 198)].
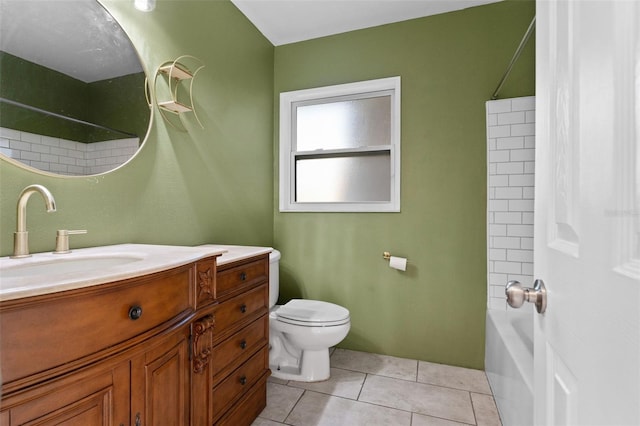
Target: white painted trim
[(287, 165)]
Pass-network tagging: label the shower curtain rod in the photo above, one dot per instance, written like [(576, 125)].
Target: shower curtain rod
[(516, 55)]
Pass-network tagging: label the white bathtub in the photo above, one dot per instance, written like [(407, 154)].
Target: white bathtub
[(509, 364)]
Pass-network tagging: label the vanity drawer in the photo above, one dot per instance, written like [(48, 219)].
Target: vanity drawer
[(230, 279), (248, 408), (240, 381), (70, 325), (238, 347), (247, 305)]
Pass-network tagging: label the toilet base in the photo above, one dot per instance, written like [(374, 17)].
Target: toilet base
[(314, 367)]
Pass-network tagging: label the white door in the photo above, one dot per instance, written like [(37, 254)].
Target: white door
[(587, 212)]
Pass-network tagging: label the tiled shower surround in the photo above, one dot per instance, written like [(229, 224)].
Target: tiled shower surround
[(63, 156), (510, 164)]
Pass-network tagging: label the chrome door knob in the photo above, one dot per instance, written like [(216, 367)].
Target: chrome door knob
[(517, 295)]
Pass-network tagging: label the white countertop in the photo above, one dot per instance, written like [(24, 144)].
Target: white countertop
[(235, 253), (44, 273)]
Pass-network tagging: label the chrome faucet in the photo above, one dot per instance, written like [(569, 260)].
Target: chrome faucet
[(21, 236)]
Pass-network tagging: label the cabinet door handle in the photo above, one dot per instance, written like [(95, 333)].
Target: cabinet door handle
[(243, 380), (135, 312), (243, 308), (138, 421), (243, 344), (243, 276)]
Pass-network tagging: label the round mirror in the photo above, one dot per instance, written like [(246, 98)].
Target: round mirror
[(72, 89)]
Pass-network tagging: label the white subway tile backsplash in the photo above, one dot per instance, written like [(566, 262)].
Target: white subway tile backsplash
[(501, 106), (523, 129), (527, 269), (498, 230), (530, 116), (506, 242), (508, 193), (499, 205), (520, 205), (521, 180), (528, 193), (523, 104), (498, 180), (18, 145), (509, 168), (498, 254), (65, 156), (516, 142), (508, 267), (9, 133), (30, 137), (500, 131), (526, 243), (508, 217), (523, 155), (511, 180), (517, 117), (519, 255), (529, 141), (520, 231), (498, 279), (499, 156), (527, 218)]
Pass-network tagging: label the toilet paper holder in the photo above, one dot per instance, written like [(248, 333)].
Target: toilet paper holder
[(399, 263)]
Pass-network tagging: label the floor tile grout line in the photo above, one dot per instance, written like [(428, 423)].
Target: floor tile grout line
[(294, 405), (473, 409), (362, 387)]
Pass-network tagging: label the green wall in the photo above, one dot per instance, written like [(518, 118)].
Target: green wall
[(200, 186), (449, 64)]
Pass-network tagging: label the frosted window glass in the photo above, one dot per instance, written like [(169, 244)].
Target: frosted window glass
[(344, 124), (353, 178)]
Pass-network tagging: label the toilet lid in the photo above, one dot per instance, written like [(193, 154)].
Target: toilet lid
[(312, 313)]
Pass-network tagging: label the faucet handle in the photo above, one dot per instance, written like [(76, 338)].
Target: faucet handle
[(62, 239)]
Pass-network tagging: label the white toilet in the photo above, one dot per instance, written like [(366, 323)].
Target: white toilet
[(301, 333)]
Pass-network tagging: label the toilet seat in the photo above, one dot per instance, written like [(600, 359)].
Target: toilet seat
[(312, 313)]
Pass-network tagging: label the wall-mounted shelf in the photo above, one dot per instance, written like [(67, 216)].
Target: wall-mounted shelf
[(179, 76)]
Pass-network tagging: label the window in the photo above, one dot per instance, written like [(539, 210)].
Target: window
[(340, 148)]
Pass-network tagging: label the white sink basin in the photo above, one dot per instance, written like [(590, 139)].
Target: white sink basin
[(66, 265), (44, 273)]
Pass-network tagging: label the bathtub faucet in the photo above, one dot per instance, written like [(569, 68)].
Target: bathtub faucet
[(21, 236)]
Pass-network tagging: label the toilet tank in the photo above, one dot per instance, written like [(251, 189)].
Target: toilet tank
[(274, 277)]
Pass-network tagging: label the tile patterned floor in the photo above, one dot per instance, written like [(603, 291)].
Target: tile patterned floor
[(370, 390)]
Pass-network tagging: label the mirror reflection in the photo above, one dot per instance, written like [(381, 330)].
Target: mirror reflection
[(72, 89)]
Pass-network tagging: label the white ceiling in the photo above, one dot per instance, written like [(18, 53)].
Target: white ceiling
[(53, 33), (78, 38), (289, 21)]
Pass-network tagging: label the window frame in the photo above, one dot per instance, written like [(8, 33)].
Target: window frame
[(327, 94)]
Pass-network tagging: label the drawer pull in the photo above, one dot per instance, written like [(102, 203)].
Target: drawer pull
[(135, 312), (243, 380), (243, 344), (243, 308), (243, 276)]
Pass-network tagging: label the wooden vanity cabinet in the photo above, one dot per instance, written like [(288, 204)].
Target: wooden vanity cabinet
[(111, 354), (196, 353), (230, 386)]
